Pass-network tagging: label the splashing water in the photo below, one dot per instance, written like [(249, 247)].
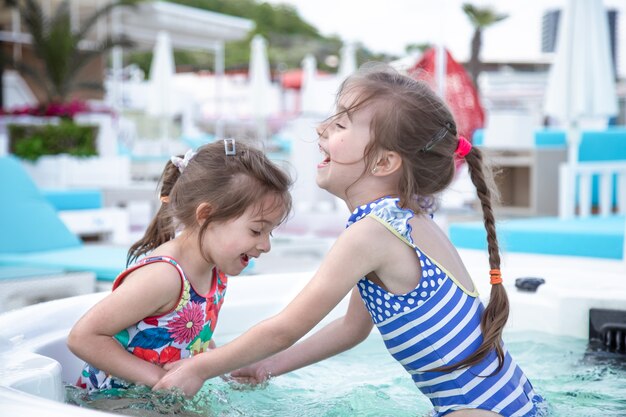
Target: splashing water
[(366, 381)]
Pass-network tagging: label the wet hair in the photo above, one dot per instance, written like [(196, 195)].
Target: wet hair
[(229, 183), (411, 119)]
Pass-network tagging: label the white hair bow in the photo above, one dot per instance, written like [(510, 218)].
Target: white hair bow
[(181, 163)]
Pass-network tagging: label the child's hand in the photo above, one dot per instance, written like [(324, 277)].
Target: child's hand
[(253, 374), (181, 374)]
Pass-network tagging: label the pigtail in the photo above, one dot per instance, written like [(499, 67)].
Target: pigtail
[(161, 228), (496, 313)]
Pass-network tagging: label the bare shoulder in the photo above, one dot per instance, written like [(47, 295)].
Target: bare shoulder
[(150, 290), (367, 239), (368, 232), (154, 277)]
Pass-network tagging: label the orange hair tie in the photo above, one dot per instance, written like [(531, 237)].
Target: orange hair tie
[(496, 277)]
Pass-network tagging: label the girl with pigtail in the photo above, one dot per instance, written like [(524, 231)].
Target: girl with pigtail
[(388, 151), (219, 206)]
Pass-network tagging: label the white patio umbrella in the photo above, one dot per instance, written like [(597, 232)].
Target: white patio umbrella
[(309, 81), (260, 85), (581, 84), (161, 98), (347, 65)]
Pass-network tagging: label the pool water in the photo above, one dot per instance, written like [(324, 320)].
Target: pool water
[(366, 381)]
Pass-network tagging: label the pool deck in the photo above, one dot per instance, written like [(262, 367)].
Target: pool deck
[(561, 305)]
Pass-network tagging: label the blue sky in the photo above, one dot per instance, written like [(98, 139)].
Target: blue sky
[(389, 25)]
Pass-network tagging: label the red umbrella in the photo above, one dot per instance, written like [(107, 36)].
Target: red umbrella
[(293, 78), (460, 92)]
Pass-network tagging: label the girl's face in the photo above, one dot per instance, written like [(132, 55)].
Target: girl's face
[(342, 142), (230, 244)]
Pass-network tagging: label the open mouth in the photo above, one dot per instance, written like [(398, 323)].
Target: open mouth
[(245, 259), (326, 159)]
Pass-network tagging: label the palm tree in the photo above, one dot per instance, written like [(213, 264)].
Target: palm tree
[(59, 50), (481, 18)]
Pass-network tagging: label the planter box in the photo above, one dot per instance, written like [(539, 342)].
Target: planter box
[(64, 171)]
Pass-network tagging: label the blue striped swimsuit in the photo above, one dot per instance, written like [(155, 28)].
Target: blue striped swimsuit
[(437, 324)]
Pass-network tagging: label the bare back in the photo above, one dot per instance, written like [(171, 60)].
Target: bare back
[(402, 271)]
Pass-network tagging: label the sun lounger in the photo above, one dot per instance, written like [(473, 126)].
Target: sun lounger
[(594, 236), (33, 235)]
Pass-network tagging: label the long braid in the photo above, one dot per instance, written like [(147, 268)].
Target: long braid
[(496, 313), (475, 162)]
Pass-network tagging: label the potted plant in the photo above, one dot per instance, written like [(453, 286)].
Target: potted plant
[(59, 55)]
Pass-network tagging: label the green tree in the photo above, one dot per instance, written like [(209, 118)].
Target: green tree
[(289, 38), (59, 50), (481, 18), (420, 47)]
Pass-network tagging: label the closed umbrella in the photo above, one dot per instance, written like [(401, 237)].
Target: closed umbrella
[(260, 85), (309, 84), (581, 84), (161, 99), (347, 65)]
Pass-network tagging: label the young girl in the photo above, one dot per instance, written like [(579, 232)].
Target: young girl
[(391, 147), (227, 198)]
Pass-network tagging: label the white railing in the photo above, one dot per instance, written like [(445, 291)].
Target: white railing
[(585, 172), (611, 198)]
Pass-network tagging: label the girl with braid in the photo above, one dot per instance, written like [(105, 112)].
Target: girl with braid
[(388, 150), (219, 206)]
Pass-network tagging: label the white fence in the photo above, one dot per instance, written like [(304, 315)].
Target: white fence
[(611, 190), (608, 202)]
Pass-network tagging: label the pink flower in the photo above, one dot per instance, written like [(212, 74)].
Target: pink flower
[(56, 109), (187, 324)]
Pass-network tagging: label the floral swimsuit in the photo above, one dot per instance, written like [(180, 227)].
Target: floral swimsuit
[(181, 333)]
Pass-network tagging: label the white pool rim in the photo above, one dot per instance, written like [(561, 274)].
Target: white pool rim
[(34, 360)]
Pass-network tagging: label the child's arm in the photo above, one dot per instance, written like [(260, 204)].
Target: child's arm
[(145, 292), (355, 254), (336, 337)]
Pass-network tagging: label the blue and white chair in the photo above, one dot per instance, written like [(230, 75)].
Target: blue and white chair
[(34, 236)]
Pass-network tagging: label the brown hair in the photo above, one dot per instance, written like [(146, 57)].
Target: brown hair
[(230, 183), (410, 119)]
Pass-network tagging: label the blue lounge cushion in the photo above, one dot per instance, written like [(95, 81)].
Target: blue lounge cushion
[(33, 236), (550, 137), (28, 221), (603, 145), (194, 142), (70, 199), (106, 262), (543, 138), (478, 137), (22, 272), (595, 236)]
